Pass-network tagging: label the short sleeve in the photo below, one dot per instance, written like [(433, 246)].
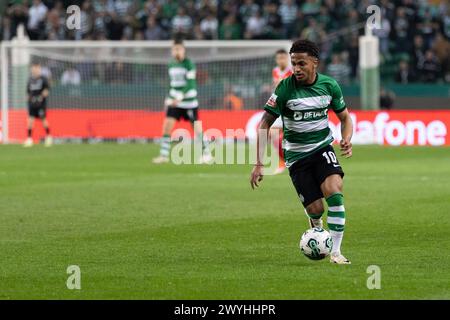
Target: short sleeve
[(191, 73), (275, 102), (45, 84), (337, 99)]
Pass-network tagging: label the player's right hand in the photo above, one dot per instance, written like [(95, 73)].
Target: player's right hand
[(256, 176)]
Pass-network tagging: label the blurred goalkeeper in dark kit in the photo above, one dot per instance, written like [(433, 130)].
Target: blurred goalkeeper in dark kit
[(38, 90)]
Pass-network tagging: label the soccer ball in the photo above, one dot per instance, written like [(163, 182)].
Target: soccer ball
[(316, 243)]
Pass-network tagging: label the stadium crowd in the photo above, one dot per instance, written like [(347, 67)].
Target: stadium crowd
[(414, 34)]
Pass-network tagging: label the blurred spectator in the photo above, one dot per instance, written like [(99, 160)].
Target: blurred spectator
[(401, 31), (230, 29), (247, 10), (352, 18), (387, 98), (182, 24), (36, 20), (338, 69), (273, 20), (121, 7), (209, 26), (103, 6), (87, 21), (153, 30), (387, 10), (324, 18), (353, 55), (311, 8), (288, 13), (71, 77), (18, 12), (418, 52), (404, 74), (255, 26), (168, 11), (55, 24), (446, 23), (429, 67), (114, 26), (382, 32), (427, 27), (312, 31), (6, 29), (441, 47), (232, 102)]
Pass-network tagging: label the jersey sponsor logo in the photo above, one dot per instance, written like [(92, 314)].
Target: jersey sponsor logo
[(272, 102), (310, 115), (36, 85)]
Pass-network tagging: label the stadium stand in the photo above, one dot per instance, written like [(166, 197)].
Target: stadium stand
[(415, 33)]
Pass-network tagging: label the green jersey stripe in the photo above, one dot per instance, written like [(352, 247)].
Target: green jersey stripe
[(295, 151), (308, 103)]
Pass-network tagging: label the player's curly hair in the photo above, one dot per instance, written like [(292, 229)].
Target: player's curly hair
[(305, 46)]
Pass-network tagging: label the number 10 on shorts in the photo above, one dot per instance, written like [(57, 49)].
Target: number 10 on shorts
[(331, 158)]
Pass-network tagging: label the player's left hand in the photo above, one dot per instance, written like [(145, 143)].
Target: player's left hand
[(346, 148), (256, 176)]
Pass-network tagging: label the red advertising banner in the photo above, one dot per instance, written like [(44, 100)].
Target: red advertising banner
[(380, 127)]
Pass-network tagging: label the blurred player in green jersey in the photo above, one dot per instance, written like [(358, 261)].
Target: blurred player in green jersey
[(181, 102)]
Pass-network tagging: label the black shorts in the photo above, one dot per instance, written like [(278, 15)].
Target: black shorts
[(37, 111), (309, 173), (187, 114)]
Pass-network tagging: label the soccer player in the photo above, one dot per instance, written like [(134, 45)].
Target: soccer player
[(303, 101), (182, 102), (38, 90), (281, 71)]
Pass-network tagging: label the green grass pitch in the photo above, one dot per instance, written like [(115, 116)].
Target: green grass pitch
[(142, 231)]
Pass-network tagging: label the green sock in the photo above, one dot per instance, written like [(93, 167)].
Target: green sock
[(165, 146)]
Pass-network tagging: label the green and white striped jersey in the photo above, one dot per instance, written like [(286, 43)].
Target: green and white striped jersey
[(183, 86), (304, 112)]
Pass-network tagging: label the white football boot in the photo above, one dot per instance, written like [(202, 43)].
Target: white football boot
[(338, 258), (28, 143), (160, 159), (206, 159), (48, 141)]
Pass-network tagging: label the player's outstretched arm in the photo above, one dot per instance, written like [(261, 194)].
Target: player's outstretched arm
[(261, 142), (346, 132)]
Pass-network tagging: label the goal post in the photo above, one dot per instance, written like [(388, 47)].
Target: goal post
[(116, 89), (369, 62)]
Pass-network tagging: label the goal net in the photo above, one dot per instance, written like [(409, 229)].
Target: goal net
[(116, 90)]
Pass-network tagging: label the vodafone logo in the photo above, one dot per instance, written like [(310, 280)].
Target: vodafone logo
[(406, 128)]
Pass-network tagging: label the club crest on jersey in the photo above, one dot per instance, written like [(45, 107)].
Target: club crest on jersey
[(272, 102)]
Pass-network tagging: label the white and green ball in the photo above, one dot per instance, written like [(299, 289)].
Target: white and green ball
[(316, 243)]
